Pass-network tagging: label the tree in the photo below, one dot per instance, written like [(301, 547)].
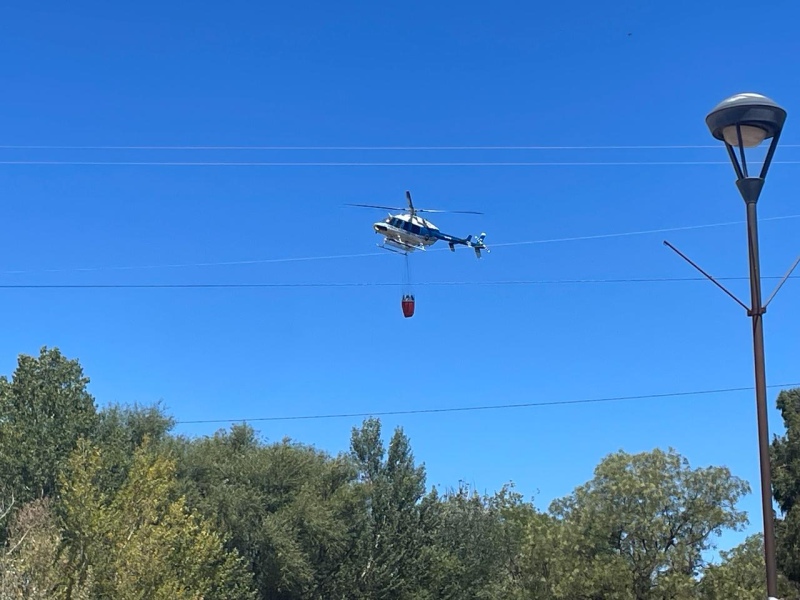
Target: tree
[(44, 409), (386, 555), (741, 574), (121, 430), (564, 561), (473, 544), (29, 565), (141, 541), (640, 526), (785, 453), (285, 507)]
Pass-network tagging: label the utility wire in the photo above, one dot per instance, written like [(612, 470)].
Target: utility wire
[(364, 284), (487, 407), (361, 255), (640, 232), (203, 264), (369, 148), (372, 164)]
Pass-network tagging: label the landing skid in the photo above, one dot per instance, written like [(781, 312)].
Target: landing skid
[(382, 247), (399, 247)]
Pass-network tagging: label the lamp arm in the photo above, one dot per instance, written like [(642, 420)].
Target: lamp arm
[(714, 281), (734, 161), (780, 285), (770, 153)]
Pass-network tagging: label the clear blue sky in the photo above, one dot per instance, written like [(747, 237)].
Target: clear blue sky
[(398, 74)]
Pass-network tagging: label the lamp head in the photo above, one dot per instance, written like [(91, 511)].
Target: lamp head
[(757, 117)]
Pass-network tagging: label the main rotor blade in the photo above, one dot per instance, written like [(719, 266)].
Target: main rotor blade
[(465, 212), (376, 206), (419, 210)]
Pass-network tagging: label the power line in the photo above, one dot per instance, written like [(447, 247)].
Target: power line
[(203, 264), (383, 253), (487, 407), (366, 284), (372, 148), (372, 164), (640, 232)]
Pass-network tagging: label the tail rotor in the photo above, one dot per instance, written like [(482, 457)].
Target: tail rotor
[(478, 244)]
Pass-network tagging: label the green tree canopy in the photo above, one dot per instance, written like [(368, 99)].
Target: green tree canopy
[(44, 409), (741, 574), (141, 541), (121, 430), (111, 503), (785, 453), (645, 519), (286, 507), (386, 558), (29, 563), (474, 544)]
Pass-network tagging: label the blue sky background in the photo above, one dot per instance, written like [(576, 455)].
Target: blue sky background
[(403, 74)]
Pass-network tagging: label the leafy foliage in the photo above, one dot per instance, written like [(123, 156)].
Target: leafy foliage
[(120, 431), (474, 544), (285, 508), (742, 575), (645, 520), (786, 484), (388, 542), (141, 541), (111, 504), (29, 566), (44, 409)]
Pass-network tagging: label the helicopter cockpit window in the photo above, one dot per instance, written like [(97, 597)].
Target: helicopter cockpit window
[(415, 229)]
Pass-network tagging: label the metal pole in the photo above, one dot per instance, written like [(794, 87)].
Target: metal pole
[(757, 313)]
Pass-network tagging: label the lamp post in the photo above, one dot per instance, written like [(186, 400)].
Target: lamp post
[(745, 121)]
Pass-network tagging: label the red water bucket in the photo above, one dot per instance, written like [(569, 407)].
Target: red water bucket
[(408, 305)]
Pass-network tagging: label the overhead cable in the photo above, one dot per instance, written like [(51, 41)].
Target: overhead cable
[(23, 286), (639, 232), (368, 148), (486, 407), (78, 163), (383, 253)]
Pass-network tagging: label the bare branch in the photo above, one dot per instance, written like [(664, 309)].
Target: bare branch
[(8, 510)]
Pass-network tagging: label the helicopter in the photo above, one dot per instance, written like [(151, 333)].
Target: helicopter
[(407, 232)]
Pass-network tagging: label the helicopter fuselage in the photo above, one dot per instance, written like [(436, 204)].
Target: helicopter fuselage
[(408, 232)]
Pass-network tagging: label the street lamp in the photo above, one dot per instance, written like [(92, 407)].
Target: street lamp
[(745, 121)]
